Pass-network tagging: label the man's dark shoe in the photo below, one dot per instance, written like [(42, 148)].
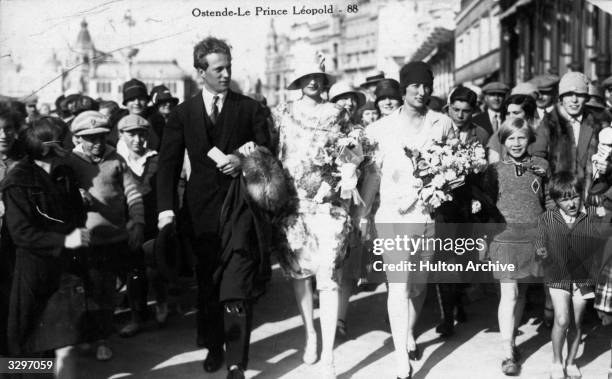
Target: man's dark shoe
[(445, 329), (235, 373), (213, 361)]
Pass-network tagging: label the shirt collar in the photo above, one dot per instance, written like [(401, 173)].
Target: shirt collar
[(208, 96), (492, 113)]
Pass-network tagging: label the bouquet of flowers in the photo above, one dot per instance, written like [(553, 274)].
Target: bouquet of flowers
[(443, 167), (337, 163)]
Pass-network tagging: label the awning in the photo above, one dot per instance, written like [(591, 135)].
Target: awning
[(512, 10), (605, 5)]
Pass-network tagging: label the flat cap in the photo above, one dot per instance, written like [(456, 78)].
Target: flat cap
[(133, 122), (607, 83), (526, 88), (89, 122), (495, 87), (546, 82)]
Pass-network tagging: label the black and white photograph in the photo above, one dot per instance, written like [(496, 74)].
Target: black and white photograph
[(306, 189)]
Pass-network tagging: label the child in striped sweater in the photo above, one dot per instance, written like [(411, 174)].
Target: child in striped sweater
[(567, 243), (108, 188)]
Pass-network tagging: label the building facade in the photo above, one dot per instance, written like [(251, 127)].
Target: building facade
[(382, 35), (477, 42), (554, 36), (81, 68)]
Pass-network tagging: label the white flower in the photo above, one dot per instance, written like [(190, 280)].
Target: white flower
[(450, 175), (447, 160), (427, 192), (476, 206), (479, 152), (434, 161), (418, 183), (438, 181)]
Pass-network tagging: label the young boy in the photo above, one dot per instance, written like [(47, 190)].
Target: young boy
[(567, 243), (108, 188), (142, 161)]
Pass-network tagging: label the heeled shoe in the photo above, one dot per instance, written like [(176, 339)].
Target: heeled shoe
[(406, 377), (310, 350), (414, 354)]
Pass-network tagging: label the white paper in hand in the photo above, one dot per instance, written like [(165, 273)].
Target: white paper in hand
[(217, 155)]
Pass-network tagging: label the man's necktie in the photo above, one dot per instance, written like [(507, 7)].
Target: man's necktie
[(214, 114), (495, 123)]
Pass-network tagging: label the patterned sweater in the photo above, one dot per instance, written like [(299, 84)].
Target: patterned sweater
[(109, 189)]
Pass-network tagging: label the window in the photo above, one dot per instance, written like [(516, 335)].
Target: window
[(485, 35), (495, 32), (103, 87)]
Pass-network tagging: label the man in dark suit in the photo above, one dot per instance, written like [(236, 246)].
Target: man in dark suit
[(235, 124), (490, 119)]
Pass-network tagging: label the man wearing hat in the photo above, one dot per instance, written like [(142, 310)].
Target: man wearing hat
[(547, 86), (372, 78), (108, 189), (135, 99), (526, 88), (215, 127), (568, 136), (494, 94)]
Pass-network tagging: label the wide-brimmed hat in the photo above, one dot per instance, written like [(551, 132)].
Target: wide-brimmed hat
[(372, 78), (343, 88), (160, 94), (304, 72), (575, 82)]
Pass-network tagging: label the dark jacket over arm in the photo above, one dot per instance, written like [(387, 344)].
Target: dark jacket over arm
[(241, 120)]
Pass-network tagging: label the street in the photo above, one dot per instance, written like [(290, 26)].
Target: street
[(277, 342)]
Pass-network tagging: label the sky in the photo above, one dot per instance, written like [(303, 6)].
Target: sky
[(31, 29)]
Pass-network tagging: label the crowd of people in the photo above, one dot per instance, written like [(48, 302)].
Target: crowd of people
[(96, 198)]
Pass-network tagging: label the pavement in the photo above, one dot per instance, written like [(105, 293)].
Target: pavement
[(277, 340)]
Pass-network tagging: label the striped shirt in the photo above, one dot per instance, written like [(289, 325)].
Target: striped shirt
[(572, 248)]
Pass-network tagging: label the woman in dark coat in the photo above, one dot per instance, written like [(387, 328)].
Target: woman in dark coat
[(44, 213)]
